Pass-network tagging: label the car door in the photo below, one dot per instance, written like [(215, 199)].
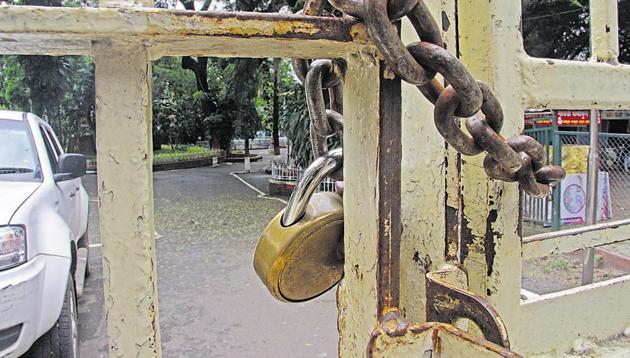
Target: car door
[(67, 189), (75, 204)]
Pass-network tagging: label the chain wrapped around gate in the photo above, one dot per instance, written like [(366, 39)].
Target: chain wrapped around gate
[(316, 76), (300, 254), (519, 159)]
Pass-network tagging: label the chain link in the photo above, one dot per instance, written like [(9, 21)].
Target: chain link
[(519, 159), (317, 76)]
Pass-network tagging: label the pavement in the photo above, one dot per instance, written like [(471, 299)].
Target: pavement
[(211, 303)]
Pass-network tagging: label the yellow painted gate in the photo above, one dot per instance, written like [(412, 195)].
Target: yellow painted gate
[(433, 227)]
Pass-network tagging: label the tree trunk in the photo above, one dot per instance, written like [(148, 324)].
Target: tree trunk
[(276, 106), (247, 147)]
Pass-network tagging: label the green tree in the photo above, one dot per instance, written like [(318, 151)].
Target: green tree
[(560, 29), (240, 101), (177, 114), (237, 112), (58, 89), (296, 123)]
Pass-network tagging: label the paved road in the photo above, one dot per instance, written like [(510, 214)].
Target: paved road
[(211, 301)]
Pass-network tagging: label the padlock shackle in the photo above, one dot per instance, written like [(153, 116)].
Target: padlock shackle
[(313, 176)]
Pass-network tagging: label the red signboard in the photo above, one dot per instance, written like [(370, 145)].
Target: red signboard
[(540, 119), (564, 118), (573, 118)]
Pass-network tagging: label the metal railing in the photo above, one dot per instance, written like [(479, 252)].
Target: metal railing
[(293, 173), (614, 177), (542, 210)]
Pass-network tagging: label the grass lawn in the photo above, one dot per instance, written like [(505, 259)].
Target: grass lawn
[(181, 153)]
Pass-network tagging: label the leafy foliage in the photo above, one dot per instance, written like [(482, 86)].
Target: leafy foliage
[(177, 114), (296, 122), (223, 98), (264, 98), (58, 89), (560, 29)]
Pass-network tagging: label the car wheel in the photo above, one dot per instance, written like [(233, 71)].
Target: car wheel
[(62, 340)]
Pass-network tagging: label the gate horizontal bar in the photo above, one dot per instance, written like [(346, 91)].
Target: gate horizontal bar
[(553, 321), (569, 84), (575, 239), (31, 30)]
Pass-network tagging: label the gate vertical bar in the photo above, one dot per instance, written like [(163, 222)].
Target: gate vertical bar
[(430, 184), (125, 186), (490, 45), (604, 38), (604, 16), (356, 294), (591, 194), (372, 201), (557, 190), (389, 220)]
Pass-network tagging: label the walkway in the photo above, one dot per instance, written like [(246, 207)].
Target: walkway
[(212, 304)]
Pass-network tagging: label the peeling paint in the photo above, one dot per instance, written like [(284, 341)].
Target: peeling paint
[(357, 292), (489, 240), (126, 219), (59, 31), (467, 238)]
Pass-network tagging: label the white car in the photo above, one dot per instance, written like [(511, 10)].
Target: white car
[(43, 239)]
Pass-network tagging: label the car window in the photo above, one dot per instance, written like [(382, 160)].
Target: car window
[(52, 155), (55, 141), (18, 156)]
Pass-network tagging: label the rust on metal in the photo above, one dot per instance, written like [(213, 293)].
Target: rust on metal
[(387, 38), (145, 21), (389, 220), (393, 324), (324, 123), (382, 342), (418, 63), (451, 242), (438, 59), (447, 304), (467, 239), (313, 7)]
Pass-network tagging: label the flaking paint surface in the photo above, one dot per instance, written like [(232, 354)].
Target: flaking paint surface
[(357, 297), (604, 21), (423, 192), (490, 45), (55, 31), (572, 239), (598, 310), (123, 114)]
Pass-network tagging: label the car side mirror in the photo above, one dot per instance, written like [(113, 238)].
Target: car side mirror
[(71, 166)]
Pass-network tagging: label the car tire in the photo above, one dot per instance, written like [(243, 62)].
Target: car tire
[(62, 340)]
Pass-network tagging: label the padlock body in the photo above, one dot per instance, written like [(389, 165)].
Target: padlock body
[(304, 260)]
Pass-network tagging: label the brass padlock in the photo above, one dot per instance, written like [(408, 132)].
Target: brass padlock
[(299, 256)]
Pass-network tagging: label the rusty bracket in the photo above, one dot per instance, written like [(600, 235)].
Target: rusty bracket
[(394, 337), (447, 303)]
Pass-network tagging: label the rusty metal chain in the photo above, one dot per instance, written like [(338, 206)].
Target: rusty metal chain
[(317, 76), (519, 159)]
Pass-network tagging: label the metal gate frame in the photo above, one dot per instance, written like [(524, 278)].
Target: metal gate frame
[(449, 210)]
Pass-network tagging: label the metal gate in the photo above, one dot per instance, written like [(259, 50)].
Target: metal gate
[(614, 149), (452, 215)]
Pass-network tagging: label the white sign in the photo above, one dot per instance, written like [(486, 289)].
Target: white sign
[(573, 199)]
